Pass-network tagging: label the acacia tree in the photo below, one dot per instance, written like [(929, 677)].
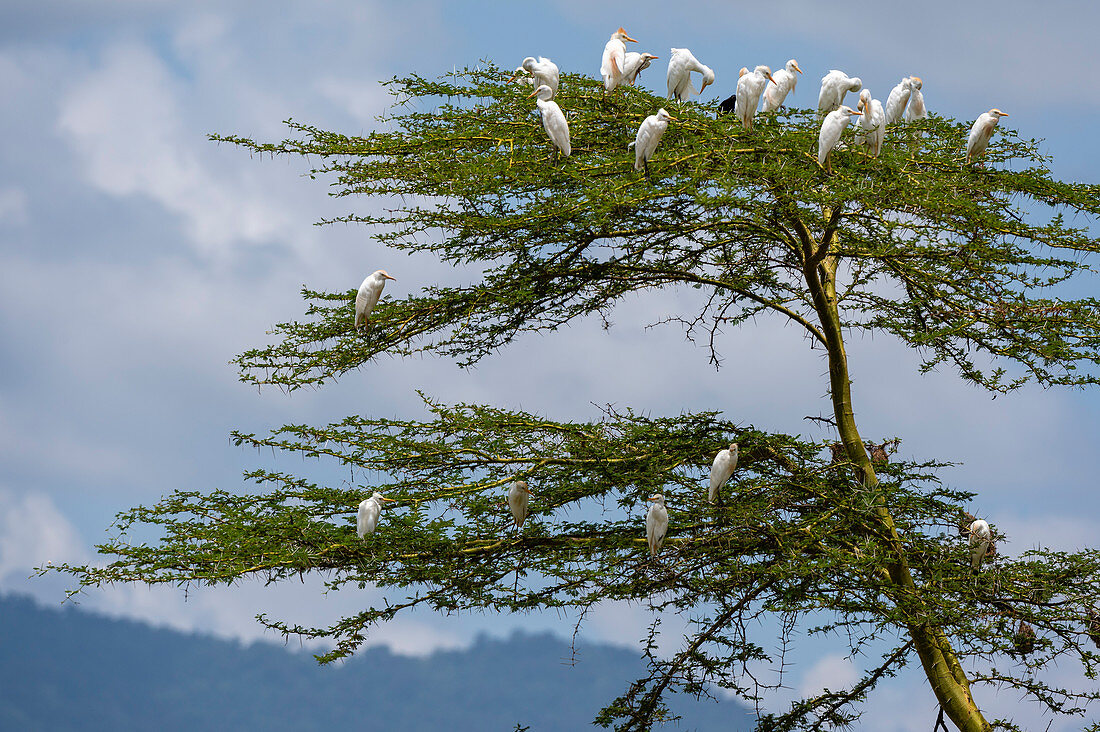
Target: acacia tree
[(970, 265)]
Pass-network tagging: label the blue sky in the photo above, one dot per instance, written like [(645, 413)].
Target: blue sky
[(138, 258)]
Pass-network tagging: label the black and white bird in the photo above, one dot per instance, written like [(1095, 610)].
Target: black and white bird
[(519, 498), (553, 120), (831, 130), (725, 462), (369, 510), (981, 132), (980, 539), (681, 64), (614, 59), (749, 88), (656, 524), (368, 295), (834, 85), (783, 82)]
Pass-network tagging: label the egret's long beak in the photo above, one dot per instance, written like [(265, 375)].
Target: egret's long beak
[(389, 500), (770, 78), (536, 91), (671, 117), (797, 69), (388, 277), (628, 38), (652, 498), (704, 86), (860, 114)]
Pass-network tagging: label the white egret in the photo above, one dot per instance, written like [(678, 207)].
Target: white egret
[(749, 88), (872, 128), (368, 295), (981, 132), (518, 498), (614, 59), (916, 109), (680, 65), (542, 71), (834, 85), (980, 538), (729, 104), (725, 462), (369, 510), (898, 99), (656, 524), (553, 120), (649, 134), (783, 82), (831, 129), (634, 64)]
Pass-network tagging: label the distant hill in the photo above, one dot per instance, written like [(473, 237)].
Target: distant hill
[(68, 670)]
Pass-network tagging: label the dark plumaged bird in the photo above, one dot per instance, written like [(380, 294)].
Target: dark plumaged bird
[(1024, 639), (1094, 626), (728, 104)]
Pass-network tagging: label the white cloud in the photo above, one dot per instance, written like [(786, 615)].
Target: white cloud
[(832, 672), (33, 533), (13, 206)]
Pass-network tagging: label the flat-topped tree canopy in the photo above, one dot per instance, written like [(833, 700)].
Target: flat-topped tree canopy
[(974, 265)]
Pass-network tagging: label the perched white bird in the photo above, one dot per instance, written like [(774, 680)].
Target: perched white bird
[(898, 99), (916, 109), (981, 132), (725, 462), (369, 510), (614, 59), (872, 125), (834, 85), (656, 524), (649, 134), (783, 82), (980, 537), (680, 65), (749, 88), (553, 120), (542, 71), (518, 498), (831, 129), (368, 295), (635, 64)]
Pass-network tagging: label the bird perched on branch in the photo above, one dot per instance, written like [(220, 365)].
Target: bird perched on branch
[(725, 462), (649, 134), (680, 65), (834, 85), (368, 295), (783, 82), (872, 131), (553, 120), (729, 104), (831, 129), (635, 64), (614, 59), (898, 99), (369, 511), (981, 539), (518, 498), (749, 88), (542, 71), (916, 109), (656, 524), (981, 132)]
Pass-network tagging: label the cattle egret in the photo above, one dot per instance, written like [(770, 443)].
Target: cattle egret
[(831, 129), (980, 539), (369, 510), (680, 66), (834, 85), (872, 131), (614, 59), (725, 462), (898, 99), (656, 524), (553, 120), (635, 64), (542, 71), (916, 109), (649, 134), (368, 295), (981, 132), (518, 498), (783, 82), (749, 88)]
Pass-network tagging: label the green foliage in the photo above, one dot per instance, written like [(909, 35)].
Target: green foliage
[(973, 266)]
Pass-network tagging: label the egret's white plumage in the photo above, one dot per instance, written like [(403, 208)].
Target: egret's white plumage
[(831, 129), (834, 85), (898, 99), (783, 82), (725, 462), (553, 119), (916, 109), (369, 511), (634, 64), (680, 65), (368, 295), (518, 499), (872, 125), (749, 88), (542, 71), (649, 134), (614, 59), (656, 524), (981, 132), (980, 537)]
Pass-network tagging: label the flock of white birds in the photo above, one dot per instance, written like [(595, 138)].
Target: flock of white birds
[(617, 67)]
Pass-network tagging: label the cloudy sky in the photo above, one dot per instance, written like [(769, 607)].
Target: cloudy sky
[(137, 259)]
